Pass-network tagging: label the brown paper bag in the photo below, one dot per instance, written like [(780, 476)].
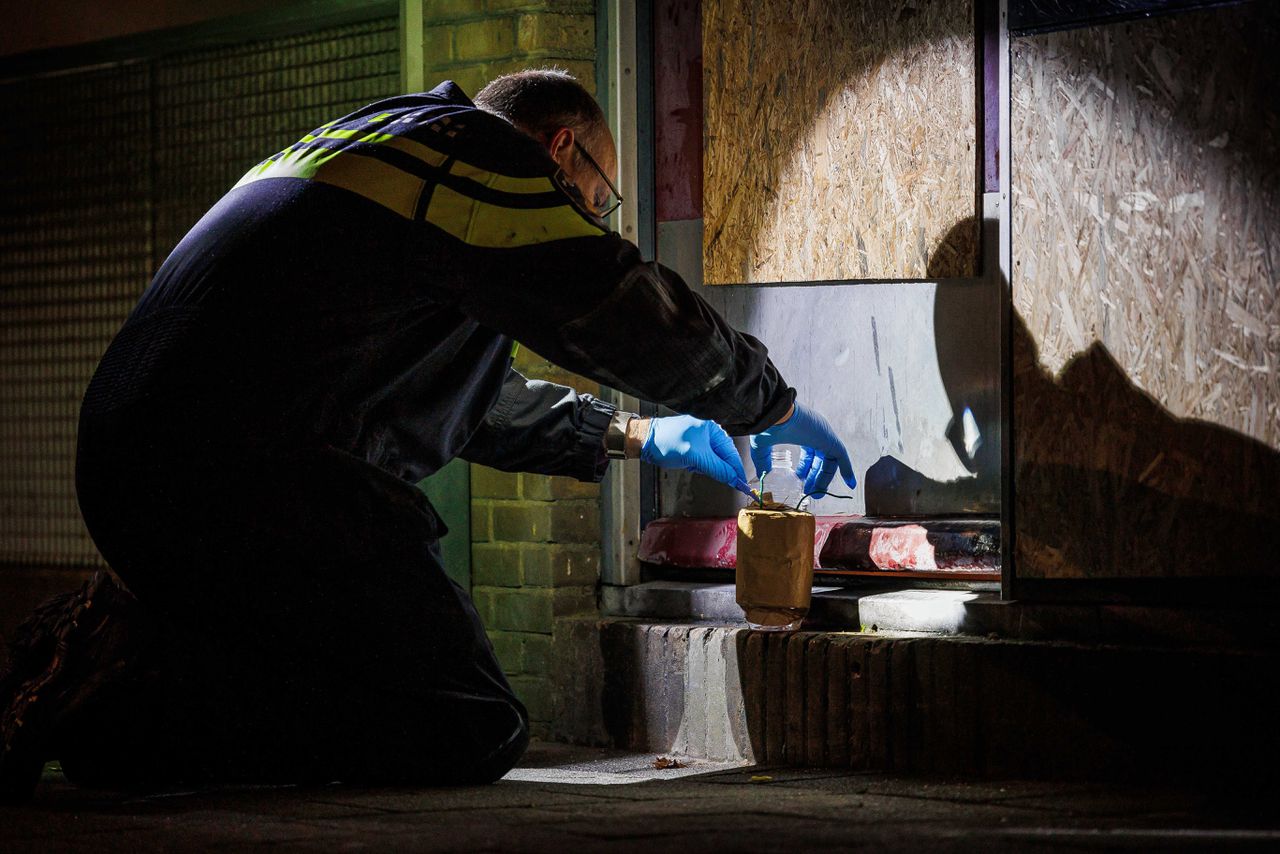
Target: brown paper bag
[(775, 566)]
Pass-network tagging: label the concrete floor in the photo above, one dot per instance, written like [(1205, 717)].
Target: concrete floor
[(572, 799)]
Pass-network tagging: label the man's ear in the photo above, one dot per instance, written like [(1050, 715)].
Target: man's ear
[(561, 144)]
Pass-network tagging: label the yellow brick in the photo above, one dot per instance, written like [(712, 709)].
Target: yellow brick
[(562, 35), (529, 362), (437, 45), (513, 5), (535, 693), (491, 483), (470, 77), (541, 487), (444, 10), (488, 39), (586, 7), (495, 565)]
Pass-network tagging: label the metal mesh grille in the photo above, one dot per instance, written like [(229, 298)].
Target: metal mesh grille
[(220, 111), (101, 173)]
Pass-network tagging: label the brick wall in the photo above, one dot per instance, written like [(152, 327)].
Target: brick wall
[(535, 561), (473, 41), (535, 557)]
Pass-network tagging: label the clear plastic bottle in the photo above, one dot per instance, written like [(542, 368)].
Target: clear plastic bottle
[(782, 481)]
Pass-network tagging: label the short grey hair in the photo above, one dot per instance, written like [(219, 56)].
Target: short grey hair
[(540, 101)]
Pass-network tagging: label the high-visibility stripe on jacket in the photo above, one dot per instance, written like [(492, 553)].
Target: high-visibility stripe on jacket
[(481, 207)]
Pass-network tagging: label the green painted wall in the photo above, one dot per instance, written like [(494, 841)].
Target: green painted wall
[(449, 491)]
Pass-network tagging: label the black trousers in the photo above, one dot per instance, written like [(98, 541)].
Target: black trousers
[(309, 629)]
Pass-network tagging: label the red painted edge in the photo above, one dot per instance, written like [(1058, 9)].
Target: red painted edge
[(862, 547), (677, 109), (701, 543)]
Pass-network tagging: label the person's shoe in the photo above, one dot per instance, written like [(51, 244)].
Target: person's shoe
[(61, 655)]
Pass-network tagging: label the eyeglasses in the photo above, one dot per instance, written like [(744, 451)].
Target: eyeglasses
[(609, 206)]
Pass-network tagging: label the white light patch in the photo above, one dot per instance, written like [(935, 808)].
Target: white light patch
[(972, 435)]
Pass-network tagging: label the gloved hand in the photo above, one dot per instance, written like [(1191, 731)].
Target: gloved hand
[(682, 441), (822, 452)]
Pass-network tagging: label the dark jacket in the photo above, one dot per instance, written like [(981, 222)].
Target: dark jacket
[(363, 288)]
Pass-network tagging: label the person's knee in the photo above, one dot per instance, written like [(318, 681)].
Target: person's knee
[(507, 752), (475, 744)]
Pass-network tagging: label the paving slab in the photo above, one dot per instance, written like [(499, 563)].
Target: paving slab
[(587, 800)]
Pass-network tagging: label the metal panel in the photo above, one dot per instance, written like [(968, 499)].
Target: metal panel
[(618, 81), (907, 374), (102, 171)]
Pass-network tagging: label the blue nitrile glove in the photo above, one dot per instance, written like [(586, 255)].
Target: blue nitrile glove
[(685, 442), (822, 452)]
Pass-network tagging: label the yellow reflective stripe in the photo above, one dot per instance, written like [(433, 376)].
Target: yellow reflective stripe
[(506, 183), (298, 163), (395, 190), (492, 226), (377, 119), (416, 149), (515, 349), (374, 180), (422, 152)]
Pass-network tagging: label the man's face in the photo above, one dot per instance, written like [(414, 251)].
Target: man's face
[(579, 170)]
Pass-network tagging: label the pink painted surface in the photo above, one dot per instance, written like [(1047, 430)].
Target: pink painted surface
[(691, 542), (904, 547), (677, 109), (710, 543)]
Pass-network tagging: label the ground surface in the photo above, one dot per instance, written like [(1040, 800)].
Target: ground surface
[(575, 800)]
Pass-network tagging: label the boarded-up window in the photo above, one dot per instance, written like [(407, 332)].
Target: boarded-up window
[(1146, 209), (839, 140), (102, 171)]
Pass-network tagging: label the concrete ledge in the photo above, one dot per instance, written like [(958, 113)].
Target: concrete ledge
[(934, 611), (943, 705), (966, 612)]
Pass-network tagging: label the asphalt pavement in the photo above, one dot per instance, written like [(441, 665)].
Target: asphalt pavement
[(564, 799)]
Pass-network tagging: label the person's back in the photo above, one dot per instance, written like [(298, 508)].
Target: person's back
[(327, 309)]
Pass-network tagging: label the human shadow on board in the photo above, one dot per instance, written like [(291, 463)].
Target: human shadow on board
[(1107, 482)]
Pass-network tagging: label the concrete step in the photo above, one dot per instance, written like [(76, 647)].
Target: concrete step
[(919, 704)]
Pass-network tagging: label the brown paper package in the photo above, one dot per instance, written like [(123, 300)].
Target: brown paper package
[(775, 565)]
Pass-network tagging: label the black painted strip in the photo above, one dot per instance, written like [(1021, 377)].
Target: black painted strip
[(1028, 17)]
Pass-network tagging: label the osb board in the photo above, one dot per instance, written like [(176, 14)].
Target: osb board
[(839, 139), (1146, 209)]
